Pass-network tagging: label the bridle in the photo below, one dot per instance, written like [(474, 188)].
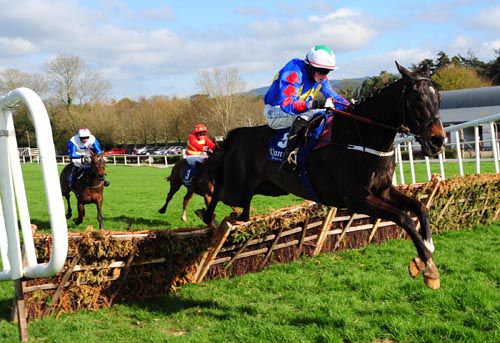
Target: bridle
[(405, 107)]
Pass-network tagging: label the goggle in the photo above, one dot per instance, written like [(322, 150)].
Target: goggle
[(201, 133), (82, 138), (322, 71)]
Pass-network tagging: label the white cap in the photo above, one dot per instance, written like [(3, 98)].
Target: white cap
[(320, 56)]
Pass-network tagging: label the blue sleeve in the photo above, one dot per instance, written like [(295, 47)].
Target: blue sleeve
[(328, 92), (72, 150), (290, 83), (96, 147)]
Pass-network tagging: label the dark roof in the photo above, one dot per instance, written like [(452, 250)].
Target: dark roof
[(472, 97)]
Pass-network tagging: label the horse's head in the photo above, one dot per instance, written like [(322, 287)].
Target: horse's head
[(420, 109), (98, 166)]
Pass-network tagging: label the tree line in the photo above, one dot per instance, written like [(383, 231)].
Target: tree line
[(75, 96), (447, 73)]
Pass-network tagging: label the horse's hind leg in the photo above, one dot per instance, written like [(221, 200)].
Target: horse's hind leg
[(208, 216), (187, 197), (174, 187), (245, 214)]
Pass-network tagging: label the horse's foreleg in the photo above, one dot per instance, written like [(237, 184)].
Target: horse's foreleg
[(379, 208), (69, 212), (185, 203), (99, 214), (404, 202), (81, 213)]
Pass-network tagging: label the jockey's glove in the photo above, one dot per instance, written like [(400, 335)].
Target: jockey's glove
[(86, 159)]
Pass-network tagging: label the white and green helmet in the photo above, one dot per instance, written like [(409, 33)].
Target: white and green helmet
[(321, 56)]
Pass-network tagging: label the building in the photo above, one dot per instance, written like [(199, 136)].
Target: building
[(459, 106)]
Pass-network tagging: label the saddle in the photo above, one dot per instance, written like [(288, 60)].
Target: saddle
[(318, 131)]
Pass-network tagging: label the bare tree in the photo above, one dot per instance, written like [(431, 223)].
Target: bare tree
[(13, 78), (222, 103), (73, 81)]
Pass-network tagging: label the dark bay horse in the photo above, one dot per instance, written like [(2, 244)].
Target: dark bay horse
[(88, 188), (201, 185), (340, 175)]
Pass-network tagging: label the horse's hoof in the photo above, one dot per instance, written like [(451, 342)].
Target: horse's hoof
[(68, 215), (200, 213), (431, 275), (416, 267), (162, 211), (76, 221), (432, 283)]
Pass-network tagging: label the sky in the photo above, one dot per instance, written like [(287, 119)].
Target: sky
[(148, 48)]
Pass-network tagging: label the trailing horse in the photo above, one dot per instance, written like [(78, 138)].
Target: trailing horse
[(88, 188), (201, 185), (354, 170)]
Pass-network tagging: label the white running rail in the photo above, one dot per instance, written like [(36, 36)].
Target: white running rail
[(13, 193), (454, 131)]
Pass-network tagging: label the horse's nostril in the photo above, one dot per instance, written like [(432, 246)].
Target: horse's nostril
[(437, 140)]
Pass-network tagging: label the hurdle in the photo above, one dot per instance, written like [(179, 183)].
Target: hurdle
[(20, 263)]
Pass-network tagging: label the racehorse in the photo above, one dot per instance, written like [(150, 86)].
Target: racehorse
[(88, 188), (200, 185), (354, 170)]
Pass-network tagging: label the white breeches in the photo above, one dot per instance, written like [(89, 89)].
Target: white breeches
[(277, 119)]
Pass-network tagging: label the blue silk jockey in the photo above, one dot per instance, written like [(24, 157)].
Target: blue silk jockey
[(79, 148), (290, 100)]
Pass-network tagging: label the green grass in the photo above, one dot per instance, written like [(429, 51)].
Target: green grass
[(355, 296), (133, 199)]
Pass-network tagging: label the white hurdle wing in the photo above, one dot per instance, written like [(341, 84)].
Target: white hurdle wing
[(13, 195)]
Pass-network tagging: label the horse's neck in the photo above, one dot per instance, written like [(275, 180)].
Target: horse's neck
[(381, 107), (90, 178)]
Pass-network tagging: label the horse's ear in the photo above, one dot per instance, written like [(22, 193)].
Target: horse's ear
[(404, 71), (426, 71)]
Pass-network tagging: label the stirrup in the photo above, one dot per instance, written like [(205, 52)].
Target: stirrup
[(292, 157)]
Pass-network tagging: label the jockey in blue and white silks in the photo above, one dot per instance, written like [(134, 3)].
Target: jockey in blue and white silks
[(79, 149), (80, 145), (290, 100)]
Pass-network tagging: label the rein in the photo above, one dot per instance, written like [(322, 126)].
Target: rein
[(402, 129)]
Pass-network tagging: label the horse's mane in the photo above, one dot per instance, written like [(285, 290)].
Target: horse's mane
[(366, 99)]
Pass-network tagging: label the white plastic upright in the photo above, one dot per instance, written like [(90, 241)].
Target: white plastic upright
[(14, 205)]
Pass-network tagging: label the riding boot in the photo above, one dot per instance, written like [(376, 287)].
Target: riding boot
[(72, 176), (289, 161)]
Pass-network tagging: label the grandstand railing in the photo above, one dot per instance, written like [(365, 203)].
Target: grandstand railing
[(478, 145)]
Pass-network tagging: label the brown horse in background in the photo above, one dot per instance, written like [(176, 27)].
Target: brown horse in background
[(88, 188), (200, 185)]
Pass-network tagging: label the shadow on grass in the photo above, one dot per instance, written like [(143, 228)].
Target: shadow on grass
[(6, 309), (173, 303), (133, 221)]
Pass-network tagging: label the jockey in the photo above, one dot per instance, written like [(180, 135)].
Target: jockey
[(290, 100), (197, 146), (79, 147)]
